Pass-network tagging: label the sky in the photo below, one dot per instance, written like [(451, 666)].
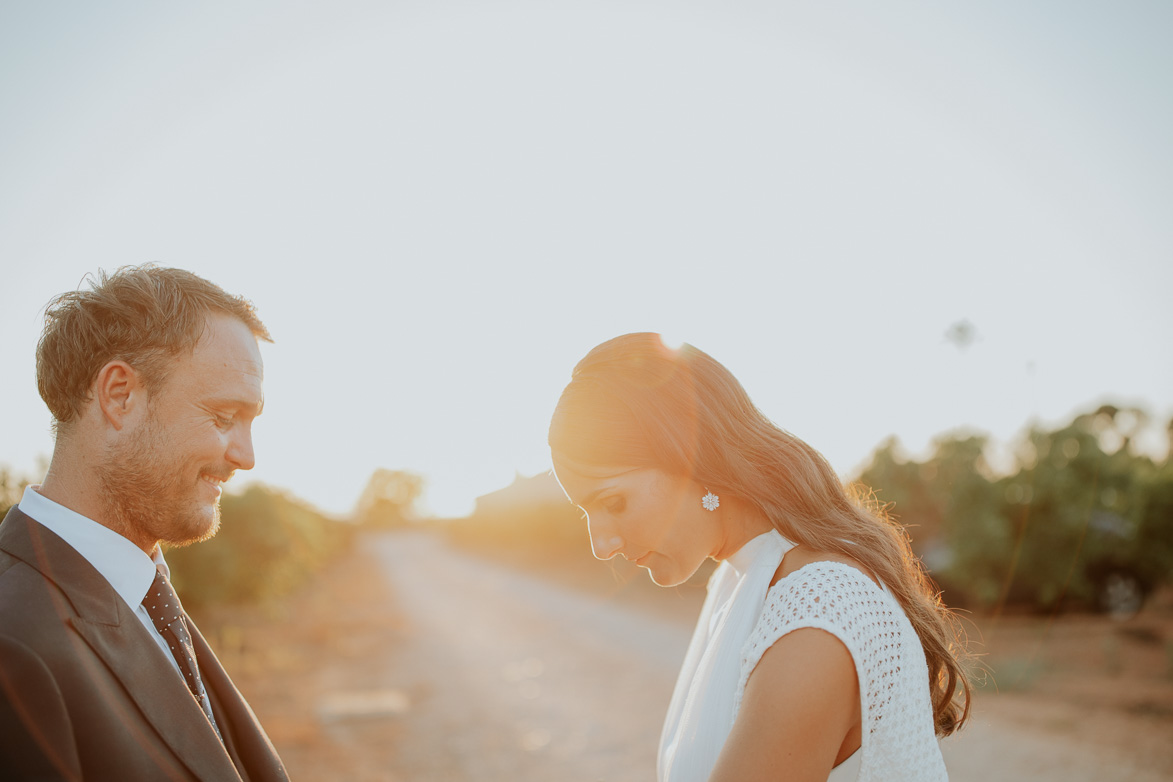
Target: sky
[(439, 208)]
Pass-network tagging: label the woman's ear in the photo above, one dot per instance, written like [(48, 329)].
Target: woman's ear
[(118, 389)]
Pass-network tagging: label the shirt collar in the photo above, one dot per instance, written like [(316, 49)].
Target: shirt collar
[(744, 557), (124, 565)]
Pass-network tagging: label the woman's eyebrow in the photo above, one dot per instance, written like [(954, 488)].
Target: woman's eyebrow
[(587, 500)]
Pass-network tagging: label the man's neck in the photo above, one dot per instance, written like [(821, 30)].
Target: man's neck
[(81, 492)]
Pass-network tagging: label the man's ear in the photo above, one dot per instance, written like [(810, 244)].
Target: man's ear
[(118, 390)]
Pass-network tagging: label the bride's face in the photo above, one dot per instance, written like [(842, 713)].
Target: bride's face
[(647, 516)]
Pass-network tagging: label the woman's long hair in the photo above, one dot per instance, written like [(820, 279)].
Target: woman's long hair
[(634, 402)]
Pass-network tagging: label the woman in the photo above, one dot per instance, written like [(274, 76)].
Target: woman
[(821, 640)]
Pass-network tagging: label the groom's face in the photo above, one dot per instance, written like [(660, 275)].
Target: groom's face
[(165, 476)]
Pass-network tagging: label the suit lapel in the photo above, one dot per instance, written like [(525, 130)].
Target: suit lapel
[(103, 620), (160, 694), (250, 746)]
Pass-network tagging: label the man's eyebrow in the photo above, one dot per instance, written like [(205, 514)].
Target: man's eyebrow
[(241, 404)]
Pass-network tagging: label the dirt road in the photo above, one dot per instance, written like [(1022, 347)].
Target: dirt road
[(501, 676), (524, 680)]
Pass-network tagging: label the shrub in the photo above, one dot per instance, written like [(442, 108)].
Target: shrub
[(268, 544)]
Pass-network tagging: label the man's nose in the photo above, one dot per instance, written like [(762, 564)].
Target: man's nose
[(604, 543), (240, 449)]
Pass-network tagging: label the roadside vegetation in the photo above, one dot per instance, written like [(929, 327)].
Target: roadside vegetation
[(269, 543), (1079, 517)]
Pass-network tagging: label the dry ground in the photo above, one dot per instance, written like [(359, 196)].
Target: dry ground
[(332, 674)]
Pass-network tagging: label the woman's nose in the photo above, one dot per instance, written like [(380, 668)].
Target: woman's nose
[(604, 545)]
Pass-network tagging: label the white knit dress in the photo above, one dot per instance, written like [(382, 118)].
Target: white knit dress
[(744, 616), (899, 739)]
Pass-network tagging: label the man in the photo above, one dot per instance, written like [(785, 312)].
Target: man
[(153, 378)]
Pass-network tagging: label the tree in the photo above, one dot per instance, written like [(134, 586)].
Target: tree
[(951, 512), (1081, 517), (389, 498), (1075, 506), (11, 488)]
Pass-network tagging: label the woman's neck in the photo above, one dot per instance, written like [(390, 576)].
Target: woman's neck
[(740, 525)]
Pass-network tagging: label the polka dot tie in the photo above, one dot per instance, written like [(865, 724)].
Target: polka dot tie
[(166, 613)]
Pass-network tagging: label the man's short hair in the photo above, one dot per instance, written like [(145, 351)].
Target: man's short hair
[(143, 315)]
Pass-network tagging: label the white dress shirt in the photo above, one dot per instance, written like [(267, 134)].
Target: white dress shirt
[(124, 565), (700, 715)]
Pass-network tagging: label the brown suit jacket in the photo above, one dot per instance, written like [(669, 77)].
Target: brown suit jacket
[(86, 694)]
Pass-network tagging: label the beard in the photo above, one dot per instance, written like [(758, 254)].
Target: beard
[(148, 494)]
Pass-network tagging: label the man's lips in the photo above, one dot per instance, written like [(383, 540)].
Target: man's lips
[(215, 481)]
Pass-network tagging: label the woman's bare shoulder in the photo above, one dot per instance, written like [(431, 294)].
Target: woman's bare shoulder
[(801, 556)]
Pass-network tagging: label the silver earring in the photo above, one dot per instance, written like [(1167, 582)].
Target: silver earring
[(710, 501)]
